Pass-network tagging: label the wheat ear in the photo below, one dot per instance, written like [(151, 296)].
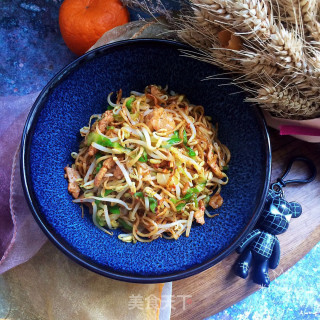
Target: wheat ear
[(204, 19), (286, 103), (305, 10)]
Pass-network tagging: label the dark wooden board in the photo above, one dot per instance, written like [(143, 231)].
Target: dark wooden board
[(218, 288)]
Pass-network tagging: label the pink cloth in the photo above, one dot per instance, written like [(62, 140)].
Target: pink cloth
[(20, 236), (299, 130), (306, 130)]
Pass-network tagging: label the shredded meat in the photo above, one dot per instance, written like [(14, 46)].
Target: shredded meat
[(119, 96), (92, 151), (160, 119), (152, 97), (107, 165), (105, 120), (216, 201), (73, 175), (213, 163), (118, 173), (185, 188), (199, 214), (155, 91), (163, 164)]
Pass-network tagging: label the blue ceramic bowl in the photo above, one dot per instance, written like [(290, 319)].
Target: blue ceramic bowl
[(52, 132)]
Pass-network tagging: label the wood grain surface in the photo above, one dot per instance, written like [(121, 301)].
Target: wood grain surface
[(218, 288)]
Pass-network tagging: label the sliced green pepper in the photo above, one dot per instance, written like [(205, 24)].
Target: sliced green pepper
[(97, 138), (99, 166), (119, 147), (110, 107), (180, 206), (153, 204), (225, 168), (107, 192), (174, 139), (144, 157), (185, 141), (129, 103), (191, 152), (100, 222), (174, 201), (195, 200), (139, 195), (124, 225), (117, 117), (114, 209), (185, 138), (187, 196), (199, 187)]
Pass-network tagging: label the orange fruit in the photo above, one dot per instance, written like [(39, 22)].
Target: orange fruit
[(229, 41), (83, 22)]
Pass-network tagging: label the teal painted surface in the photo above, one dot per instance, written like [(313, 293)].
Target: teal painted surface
[(32, 49), (294, 295)]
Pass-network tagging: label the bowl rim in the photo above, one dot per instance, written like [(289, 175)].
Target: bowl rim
[(73, 254)]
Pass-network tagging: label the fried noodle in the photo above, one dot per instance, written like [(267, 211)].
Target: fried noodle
[(149, 166)]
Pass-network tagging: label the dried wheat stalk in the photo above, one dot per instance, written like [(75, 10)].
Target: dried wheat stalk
[(289, 101), (278, 61), (303, 12), (205, 20), (270, 51)]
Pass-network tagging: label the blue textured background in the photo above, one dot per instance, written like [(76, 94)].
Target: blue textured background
[(32, 51)]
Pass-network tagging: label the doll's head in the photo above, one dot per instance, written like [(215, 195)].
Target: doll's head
[(277, 213)]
